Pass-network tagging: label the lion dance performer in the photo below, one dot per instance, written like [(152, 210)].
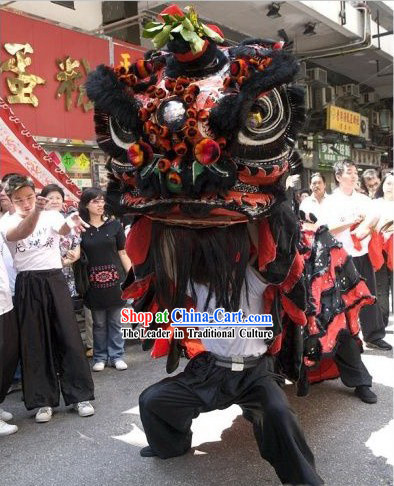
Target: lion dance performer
[(199, 136)]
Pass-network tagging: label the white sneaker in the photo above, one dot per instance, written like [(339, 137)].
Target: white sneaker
[(7, 429), (120, 365), (99, 366), (84, 409), (44, 414), (6, 416)]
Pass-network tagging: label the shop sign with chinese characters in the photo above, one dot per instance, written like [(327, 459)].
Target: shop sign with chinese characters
[(43, 69), (21, 82), (343, 121), (329, 156)]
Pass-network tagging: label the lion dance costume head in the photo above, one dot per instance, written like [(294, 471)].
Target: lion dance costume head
[(199, 135)]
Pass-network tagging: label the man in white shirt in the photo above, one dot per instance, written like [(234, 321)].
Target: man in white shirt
[(342, 212), (9, 343), (370, 182), (312, 204), (51, 345)]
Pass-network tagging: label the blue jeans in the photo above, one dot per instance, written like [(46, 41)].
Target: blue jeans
[(107, 337)]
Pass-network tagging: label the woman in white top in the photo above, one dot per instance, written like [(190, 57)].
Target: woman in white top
[(52, 352)]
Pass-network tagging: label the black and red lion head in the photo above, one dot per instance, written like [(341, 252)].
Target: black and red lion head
[(198, 133)]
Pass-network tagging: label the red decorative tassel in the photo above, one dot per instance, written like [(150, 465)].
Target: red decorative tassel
[(170, 84), (180, 148), (160, 93), (191, 113), (179, 89), (164, 165)]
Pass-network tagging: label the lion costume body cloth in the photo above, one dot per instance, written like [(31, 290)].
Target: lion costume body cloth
[(200, 138)]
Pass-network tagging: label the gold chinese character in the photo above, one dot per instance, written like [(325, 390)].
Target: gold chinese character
[(67, 76), (82, 99), (125, 62), (23, 85)]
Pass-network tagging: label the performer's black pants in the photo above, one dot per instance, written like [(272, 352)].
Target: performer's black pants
[(348, 359), (370, 316), (384, 287), (51, 345), (168, 408), (9, 351)]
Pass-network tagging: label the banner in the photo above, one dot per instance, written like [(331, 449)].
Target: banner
[(21, 153)]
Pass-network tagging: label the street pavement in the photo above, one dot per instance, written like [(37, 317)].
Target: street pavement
[(352, 441)]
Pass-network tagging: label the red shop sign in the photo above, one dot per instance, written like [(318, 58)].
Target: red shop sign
[(45, 66)]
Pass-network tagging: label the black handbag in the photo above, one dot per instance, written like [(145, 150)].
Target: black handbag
[(81, 276)]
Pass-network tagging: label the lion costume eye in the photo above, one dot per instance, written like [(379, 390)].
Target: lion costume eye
[(122, 136), (264, 134), (267, 117)]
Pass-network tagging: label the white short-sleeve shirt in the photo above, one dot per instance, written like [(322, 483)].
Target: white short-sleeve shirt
[(40, 250), (339, 209), (238, 346), (5, 291), (311, 205), (7, 258)]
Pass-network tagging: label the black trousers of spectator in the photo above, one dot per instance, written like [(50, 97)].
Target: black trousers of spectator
[(167, 409), (348, 359), (384, 286), (9, 351), (51, 346), (370, 316)]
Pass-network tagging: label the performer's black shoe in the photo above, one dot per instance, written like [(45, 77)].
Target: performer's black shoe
[(147, 452), (365, 394), (380, 344)]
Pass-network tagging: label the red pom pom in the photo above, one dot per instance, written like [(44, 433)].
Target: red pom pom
[(139, 154), (207, 151), (239, 67), (180, 148), (143, 68), (164, 165), (143, 114), (169, 84)]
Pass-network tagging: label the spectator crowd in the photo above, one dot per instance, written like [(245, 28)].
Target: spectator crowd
[(56, 262)]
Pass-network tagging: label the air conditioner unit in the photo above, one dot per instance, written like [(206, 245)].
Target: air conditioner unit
[(375, 118), (348, 90), (307, 99), (371, 97), (330, 94), (317, 76), (352, 90), (385, 120), (302, 72), (364, 127), (318, 98)]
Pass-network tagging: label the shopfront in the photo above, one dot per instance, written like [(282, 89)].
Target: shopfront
[(43, 68)]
